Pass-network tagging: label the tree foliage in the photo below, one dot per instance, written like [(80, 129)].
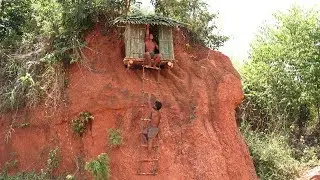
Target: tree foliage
[(284, 72), (196, 14), (13, 18), (151, 19), (36, 36), (281, 85)]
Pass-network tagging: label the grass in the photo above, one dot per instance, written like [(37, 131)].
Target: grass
[(53, 162), (115, 137), (24, 176), (274, 156)]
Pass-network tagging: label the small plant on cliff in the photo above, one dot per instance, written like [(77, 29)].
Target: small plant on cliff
[(24, 176), (70, 177), (8, 133), (100, 167), (53, 162), (7, 166), (115, 137), (192, 115), (79, 124), (53, 159)]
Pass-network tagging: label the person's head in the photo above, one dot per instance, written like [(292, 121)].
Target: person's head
[(150, 36), (157, 105)]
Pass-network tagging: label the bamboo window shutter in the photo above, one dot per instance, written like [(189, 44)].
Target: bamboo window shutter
[(166, 43), (135, 35)]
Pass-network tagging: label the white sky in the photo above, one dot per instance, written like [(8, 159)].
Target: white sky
[(241, 20)]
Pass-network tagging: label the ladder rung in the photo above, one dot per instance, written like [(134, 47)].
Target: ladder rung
[(143, 145), (146, 79), (146, 119), (148, 160), (147, 173), (150, 67)]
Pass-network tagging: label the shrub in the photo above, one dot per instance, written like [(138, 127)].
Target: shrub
[(7, 166), (272, 155), (115, 137), (79, 124), (24, 176), (53, 159), (70, 177), (36, 38), (53, 162), (100, 167)]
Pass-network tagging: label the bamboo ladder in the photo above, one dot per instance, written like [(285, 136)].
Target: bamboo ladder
[(144, 120)]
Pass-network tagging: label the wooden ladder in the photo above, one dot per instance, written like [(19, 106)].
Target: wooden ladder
[(144, 147)]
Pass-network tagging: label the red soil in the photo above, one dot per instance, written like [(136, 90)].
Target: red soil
[(198, 139)]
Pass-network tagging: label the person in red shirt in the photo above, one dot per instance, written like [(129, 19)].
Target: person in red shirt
[(153, 58)]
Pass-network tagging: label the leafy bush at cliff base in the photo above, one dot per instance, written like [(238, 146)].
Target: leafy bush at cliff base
[(53, 162), (23, 176), (272, 156), (99, 167)]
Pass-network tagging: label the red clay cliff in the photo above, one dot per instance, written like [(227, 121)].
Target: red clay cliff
[(198, 138)]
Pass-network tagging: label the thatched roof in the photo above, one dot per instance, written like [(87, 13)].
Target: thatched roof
[(148, 19)]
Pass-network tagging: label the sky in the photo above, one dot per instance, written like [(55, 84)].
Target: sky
[(240, 20)]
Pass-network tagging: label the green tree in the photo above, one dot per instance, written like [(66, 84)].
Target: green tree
[(14, 16), (283, 76), (196, 14), (37, 35)]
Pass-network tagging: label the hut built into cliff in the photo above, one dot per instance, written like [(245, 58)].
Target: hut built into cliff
[(135, 33)]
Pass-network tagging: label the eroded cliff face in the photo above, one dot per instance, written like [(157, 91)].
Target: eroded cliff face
[(198, 138)]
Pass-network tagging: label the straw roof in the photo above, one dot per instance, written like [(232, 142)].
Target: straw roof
[(148, 19)]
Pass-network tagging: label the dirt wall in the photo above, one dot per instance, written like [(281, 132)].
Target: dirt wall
[(198, 138)]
